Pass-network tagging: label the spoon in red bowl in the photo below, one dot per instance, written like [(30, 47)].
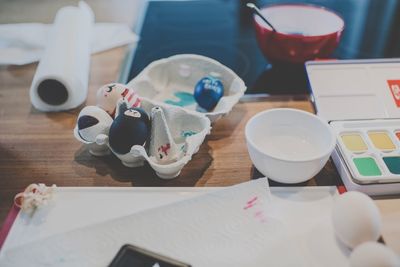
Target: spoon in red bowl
[(258, 12)]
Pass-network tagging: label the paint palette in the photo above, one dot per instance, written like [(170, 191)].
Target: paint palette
[(361, 100), (370, 148)]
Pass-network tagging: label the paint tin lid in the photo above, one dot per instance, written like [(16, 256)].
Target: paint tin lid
[(355, 89)]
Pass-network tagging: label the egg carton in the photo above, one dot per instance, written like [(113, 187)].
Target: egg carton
[(172, 81), (176, 134)]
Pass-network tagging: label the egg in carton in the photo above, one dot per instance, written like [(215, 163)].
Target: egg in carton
[(173, 80), (176, 134), (109, 95), (93, 122), (164, 136)]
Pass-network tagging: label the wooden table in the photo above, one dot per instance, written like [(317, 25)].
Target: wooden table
[(40, 147)]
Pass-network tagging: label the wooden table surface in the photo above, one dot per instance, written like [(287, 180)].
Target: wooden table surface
[(40, 147)]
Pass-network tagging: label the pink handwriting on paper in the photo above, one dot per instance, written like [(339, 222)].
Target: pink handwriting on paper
[(258, 214), (251, 203)]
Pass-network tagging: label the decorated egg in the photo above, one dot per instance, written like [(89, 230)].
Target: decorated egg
[(109, 94), (131, 127), (208, 91), (91, 122), (356, 219), (373, 254)]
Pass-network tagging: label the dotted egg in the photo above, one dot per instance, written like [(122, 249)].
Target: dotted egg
[(208, 91)]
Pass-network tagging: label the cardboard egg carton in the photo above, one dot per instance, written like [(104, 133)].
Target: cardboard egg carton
[(175, 135), (164, 90), (172, 80)]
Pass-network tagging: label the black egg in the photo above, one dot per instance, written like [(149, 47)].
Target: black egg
[(131, 127)]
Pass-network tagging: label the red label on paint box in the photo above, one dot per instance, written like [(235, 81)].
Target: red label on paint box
[(394, 86)]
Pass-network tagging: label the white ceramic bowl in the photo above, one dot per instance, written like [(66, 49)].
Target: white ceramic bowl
[(289, 145)]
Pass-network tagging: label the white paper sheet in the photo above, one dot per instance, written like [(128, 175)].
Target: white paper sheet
[(239, 226), (69, 208)]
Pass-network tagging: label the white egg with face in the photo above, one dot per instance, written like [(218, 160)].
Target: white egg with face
[(373, 254), (356, 219), (108, 96)]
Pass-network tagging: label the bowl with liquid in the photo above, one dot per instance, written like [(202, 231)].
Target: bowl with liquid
[(303, 32), (289, 145)]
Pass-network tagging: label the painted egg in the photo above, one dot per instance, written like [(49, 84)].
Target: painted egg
[(132, 127), (93, 121), (373, 254), (109, 94), (208, 91), (356, 219)]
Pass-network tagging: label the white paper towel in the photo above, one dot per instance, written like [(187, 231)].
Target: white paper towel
[(24, 43), (243, 225), (61, 79)]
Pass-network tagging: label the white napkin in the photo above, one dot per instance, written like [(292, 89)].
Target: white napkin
[(24, 43), (243, 225)]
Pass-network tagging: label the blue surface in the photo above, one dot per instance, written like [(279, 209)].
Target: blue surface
[(185, 99)]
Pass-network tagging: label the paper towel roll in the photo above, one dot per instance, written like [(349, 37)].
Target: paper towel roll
[(61, 79)]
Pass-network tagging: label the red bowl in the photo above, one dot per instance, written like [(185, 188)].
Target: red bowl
[(303, 32)]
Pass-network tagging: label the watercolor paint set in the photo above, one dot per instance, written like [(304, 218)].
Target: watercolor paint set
[(371, 149), (361, 101)]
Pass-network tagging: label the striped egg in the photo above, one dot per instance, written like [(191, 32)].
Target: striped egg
[(109, 94)]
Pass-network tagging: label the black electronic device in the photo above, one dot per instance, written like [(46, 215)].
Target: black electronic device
[(132, 256)]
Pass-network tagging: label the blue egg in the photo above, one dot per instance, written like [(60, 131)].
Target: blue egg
[(131, 127), (208, 91)]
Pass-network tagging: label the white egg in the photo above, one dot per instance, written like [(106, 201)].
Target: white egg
[(91, 122), (373, 254), (356, 219)]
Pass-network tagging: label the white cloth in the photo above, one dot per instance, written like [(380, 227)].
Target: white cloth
[(24, 43)]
